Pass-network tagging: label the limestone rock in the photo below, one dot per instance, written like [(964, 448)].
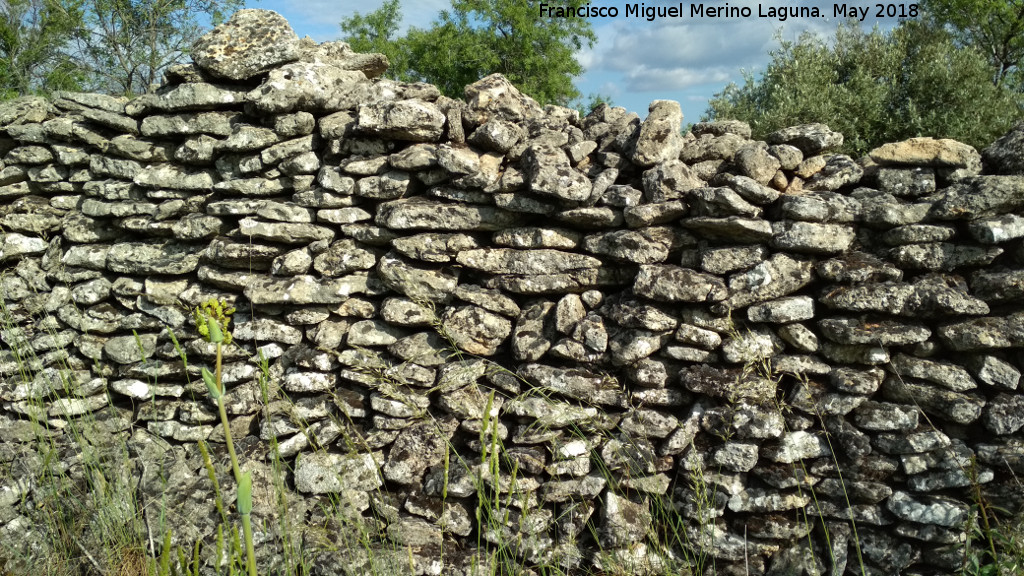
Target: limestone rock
[(548, 172), (810, 139), (495, 97), (659, 139), (980, 196), (411, 120), (309, 87), (668, 283), (251, 42), (943, 153), (324, 473), (476, 330)]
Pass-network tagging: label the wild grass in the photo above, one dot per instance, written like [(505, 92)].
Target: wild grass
[(79, 490)]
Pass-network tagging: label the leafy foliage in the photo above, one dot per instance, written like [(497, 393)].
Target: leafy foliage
[(33, 38), (994, 27), (476, 38), (114, 46), (128, 44), (875, 87)]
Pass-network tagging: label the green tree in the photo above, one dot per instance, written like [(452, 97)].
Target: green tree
[(994, 27), (34, 36), (875, 87), (480, 37), (130, 43), (377, 32)]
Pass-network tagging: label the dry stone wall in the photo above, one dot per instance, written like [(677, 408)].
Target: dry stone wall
[(579, 324)]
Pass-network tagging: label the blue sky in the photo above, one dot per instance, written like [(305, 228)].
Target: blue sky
[(634, 61)]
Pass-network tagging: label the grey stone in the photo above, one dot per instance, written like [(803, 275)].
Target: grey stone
[(979, 196), (733, 229), (949, 375), (304, 289), (537, 238), (423, 348), (808, 138), (839, 170), (995, 372), (668, 283), (927, 297), (732, 258), (325, 473), (143, 258), (531, 338), (711, 147), (946, 404), (998, 285), (811, 237), (629, 346), (623, 521), (497, 135), (548, 172), (922, 509), (130, 349), (782, 310), (476, 330), (187, 124), (494, 96), (309, 87), (251, 42), (659, 138), (909, 182), (856, 380), (1004, 414), (653, 214), (417, 213), (998, 229), (796, 446), (918, 234), (411, 120), (417, 282), (776, 277), (876, 332), (284, 232), (550, 413), (509, 261), (720, 202), (646, 246), (736, 456), (669, 181), (751, 346), (984, 333), (576, 383), (941, 256)]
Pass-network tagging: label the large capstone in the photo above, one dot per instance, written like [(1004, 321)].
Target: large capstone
[(251, 42)]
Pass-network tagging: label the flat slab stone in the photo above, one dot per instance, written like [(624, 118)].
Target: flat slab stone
[(984, 333), (943, 153), (979, 197), (874, 332), (435, 216), (922, 509), (931, 296), (667, 283), (776, 277), (304, 289), (143, 258), (510, 261)]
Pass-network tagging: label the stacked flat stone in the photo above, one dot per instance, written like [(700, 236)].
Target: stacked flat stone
[(773, 340)]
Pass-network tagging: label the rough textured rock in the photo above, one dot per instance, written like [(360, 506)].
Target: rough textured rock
[(250, 42), (443, 306)]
